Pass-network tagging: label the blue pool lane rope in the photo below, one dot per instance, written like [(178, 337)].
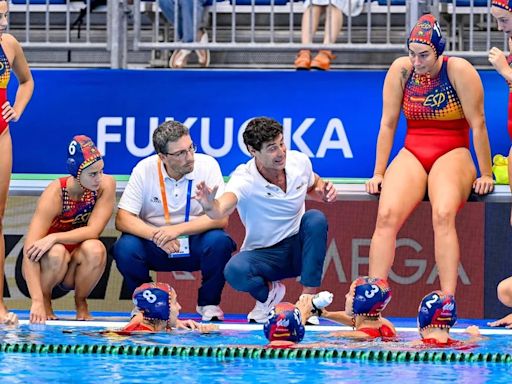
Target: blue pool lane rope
[(258, 353)]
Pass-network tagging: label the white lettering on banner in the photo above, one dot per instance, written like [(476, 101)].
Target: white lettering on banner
[(420, 264), (358, 260), (240, 137), (103, 137), (334, 136), (335, 125), (228, 138), (130, 137), (10, 269), (334, 257), (464, 278), (183, 275), (297, 136)]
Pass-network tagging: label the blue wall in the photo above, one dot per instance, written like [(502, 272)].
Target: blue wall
[(333, 116)]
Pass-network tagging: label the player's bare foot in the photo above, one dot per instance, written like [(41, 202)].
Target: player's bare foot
[(82, 311), (50, 315)]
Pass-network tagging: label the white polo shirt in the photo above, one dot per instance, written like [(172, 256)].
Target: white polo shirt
[(268, 213), (142, 195)]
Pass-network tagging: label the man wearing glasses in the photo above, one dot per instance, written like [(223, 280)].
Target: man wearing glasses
[(164, 228)]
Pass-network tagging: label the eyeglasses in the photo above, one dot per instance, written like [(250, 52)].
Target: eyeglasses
[(183, 153)]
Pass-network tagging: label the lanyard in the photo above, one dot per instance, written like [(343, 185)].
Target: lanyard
[(164, 196)]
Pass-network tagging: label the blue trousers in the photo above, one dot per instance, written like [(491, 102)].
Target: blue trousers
[(301, 255), (209, 253), (190, 15)]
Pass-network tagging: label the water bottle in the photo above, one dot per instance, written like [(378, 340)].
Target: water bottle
[(322, 299)]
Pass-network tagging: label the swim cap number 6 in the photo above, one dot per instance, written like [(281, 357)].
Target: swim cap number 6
[(72, 147)]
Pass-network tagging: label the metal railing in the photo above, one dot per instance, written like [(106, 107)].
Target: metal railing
[(38, 25), (126, 25), (235, 34)]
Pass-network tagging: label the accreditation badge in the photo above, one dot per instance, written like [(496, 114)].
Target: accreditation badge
[(184, 248)]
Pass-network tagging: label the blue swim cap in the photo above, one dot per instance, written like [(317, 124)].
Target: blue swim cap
[(284, 324), (81, 153), (437, 310), (153, 300), (371, 295)]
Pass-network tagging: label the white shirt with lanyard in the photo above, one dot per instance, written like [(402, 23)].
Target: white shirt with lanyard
[(184, 250)]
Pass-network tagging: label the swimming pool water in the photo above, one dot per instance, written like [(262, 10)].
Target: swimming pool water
[(97, 368), (26, 368)]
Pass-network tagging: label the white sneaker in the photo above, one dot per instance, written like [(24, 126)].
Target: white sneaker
[(179, 58), (210, 313), (313, 320), (260, 312)]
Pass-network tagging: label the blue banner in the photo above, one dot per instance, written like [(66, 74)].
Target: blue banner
[(333, 116)]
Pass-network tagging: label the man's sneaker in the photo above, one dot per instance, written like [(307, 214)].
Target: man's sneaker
[(260, 312), (210, 313), (313, 320)]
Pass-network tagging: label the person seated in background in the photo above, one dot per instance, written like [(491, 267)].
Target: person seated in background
[(313, 10), (437, 313), (366, 299), (189, 16), (158, 310), (282, 239), (164, 228), (62, 245)]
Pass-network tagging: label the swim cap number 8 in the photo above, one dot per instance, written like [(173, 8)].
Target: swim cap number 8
[(150, 297)]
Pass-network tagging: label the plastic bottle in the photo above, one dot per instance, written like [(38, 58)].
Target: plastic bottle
[(322, 299)]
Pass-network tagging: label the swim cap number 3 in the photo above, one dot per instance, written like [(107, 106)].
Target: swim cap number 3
[(373, 292)]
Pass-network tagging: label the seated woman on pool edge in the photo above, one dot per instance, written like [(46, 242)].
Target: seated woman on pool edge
[(441, 98)]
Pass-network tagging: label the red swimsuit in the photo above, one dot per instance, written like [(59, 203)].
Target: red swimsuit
[(75, 214), (135, 327), (450, 343), (5, 74), (384, 332), (435, 119)]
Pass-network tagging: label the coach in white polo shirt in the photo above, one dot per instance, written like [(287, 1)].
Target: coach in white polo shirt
[(164, 228), (281, 240)]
